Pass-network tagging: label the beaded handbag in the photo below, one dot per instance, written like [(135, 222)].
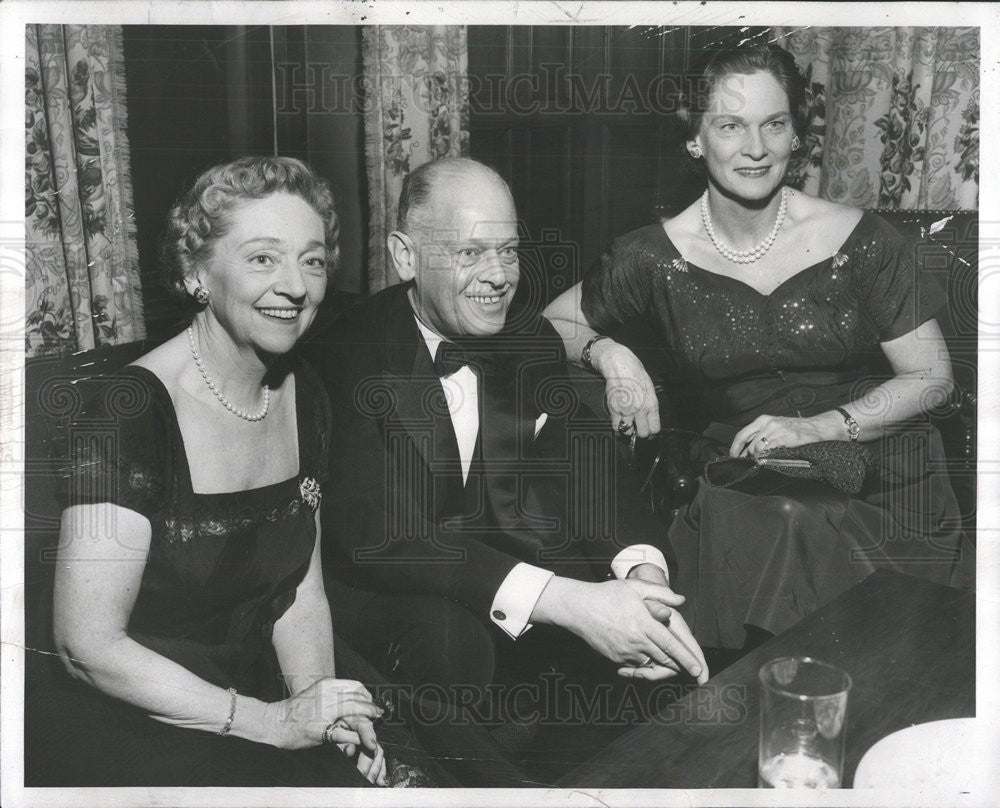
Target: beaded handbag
[(844, 465)]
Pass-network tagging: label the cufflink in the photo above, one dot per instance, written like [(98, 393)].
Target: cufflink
[(499, 615)]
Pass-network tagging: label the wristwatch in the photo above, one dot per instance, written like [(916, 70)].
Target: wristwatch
[(853, 427), (585, 353)]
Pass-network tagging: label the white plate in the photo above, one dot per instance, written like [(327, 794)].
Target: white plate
[(953, 756)]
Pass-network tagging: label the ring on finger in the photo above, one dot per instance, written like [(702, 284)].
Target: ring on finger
[(328, 731), (625, 427)]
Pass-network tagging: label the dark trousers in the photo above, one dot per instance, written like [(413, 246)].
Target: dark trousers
[(442, 651)]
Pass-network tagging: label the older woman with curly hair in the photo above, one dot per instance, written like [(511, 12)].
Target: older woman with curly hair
[(189, 608)]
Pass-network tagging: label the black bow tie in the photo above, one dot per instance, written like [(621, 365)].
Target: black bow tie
[(453, 356)]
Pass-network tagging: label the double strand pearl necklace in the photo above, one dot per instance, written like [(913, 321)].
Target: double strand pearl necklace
[(222, 399), (755, 253)]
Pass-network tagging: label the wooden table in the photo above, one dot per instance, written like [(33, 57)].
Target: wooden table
[(909, 646)]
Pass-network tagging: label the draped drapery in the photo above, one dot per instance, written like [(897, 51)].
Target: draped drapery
[(82, 279), (417, 109), (895, 115)]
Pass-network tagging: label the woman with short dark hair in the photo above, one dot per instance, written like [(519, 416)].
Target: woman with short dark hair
[(800, 321)]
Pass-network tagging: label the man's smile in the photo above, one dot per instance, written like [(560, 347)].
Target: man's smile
[(491, 299)]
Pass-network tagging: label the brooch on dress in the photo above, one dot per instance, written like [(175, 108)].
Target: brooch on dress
[(839, 259), (310, 493)]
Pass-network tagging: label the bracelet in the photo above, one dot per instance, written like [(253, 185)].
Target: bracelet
[(853, 427), (232, 712), (585, 353)]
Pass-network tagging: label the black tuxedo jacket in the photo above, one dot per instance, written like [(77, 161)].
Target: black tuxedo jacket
[(396, 517)]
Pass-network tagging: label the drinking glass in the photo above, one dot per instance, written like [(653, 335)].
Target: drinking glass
[(803, 719)]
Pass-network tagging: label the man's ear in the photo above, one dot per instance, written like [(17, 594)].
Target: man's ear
[(403, 255)]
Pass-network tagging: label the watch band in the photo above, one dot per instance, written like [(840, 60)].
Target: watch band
[(853, 427), (585, 353)]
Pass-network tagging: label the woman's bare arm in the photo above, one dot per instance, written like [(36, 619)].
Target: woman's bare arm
[(566, 315), (629, 391), (102, 555), (303, 642), (303, 635), (922, 381)]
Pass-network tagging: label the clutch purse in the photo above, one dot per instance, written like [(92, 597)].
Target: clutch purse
[(843, 465)]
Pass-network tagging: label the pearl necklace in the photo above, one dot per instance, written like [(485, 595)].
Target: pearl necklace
[(222, 399), (755, 253)]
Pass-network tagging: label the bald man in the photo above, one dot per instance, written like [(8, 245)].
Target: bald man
[(448, 510)]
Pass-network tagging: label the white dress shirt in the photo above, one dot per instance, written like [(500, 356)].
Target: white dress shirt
[(516, 598)]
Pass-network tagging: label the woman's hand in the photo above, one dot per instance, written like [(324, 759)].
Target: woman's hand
[(774, 431), (372, 767), (628, 389), (299, 721)]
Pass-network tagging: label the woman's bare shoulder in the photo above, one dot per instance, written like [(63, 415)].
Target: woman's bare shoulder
[(167, 361), (818, 225), (813, 210), (684, 225)]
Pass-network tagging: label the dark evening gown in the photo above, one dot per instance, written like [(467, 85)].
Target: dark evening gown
[(770, 553), (221, 570)]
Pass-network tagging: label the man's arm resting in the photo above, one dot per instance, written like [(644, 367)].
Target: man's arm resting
[(516, 598), (613, 618), (641, 561)]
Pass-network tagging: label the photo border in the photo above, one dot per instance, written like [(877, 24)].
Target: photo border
[(14, 14)]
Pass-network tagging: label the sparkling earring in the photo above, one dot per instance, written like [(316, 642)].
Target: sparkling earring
[(696, 152), (201, 295), (795, 143)]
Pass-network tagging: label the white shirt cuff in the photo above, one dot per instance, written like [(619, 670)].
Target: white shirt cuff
[(635, 555), (516, 598)]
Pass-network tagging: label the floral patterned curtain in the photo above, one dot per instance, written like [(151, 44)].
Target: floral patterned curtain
[(83, 287), (417, 110), (895, 115)]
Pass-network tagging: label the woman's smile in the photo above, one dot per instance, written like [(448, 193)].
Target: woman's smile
[(286, 314), (271, 263)]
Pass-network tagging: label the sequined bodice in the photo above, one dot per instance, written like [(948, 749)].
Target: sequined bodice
[(740, 330), (804, 347)]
